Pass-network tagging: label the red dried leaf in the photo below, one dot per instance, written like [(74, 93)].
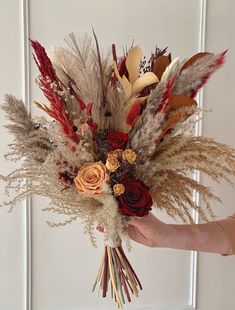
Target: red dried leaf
[(48, 76), (134, 112)]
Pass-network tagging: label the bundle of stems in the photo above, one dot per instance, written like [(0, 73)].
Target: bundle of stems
[(116, 271)]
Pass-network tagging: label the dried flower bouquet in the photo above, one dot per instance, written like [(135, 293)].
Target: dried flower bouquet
[(121, 140)]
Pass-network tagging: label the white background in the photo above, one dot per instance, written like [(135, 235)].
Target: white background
[(45, 269)]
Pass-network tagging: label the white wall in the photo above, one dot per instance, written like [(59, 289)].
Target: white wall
[(12, 246), (63, 262), (217, 274)]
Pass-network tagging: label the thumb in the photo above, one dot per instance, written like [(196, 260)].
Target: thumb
[(100, 228), (140, 221), (135, 221)]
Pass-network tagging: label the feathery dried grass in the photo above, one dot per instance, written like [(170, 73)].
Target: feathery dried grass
[(165, 174), (191, 78), (64, 198), (31, 139), (174, 195), (79, 65), (86, 73)]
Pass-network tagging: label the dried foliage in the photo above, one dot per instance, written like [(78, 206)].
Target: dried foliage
[(90, 95), (166, 173), (31, 136)]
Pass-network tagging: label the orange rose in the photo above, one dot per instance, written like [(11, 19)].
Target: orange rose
[(90, 177)]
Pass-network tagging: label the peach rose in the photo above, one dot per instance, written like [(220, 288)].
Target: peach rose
[(116, 153), (129, 155), (90, 177), (112, 163), (118, 189)]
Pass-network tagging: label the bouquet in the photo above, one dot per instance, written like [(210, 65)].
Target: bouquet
[(118, 139)]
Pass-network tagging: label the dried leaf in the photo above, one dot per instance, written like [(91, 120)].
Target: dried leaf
[(133, 63), (172, 66), (134, 112), (170, 123), (44, 108), (160, 65), (147, 79), (179, 101), (127, 88)]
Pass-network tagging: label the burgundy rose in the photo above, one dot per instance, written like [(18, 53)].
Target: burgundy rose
[(117, 140), (136, 199)]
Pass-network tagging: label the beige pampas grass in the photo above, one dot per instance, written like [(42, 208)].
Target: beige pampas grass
[(90, 94), (166, 173)]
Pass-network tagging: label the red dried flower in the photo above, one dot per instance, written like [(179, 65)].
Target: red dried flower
[(117, 140), (136, 199)]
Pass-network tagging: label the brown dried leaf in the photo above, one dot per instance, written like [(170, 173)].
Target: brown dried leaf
[(170, 123), (179, 101), (160, 65)]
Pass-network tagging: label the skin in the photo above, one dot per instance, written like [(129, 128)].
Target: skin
[(151, 232)]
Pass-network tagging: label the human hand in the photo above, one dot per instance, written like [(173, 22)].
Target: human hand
[(146, 230), (150, 231)]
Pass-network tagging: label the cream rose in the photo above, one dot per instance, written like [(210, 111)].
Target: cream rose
[(112, 163), (90, 177), (118, 189), (129, 155), (116, 153)]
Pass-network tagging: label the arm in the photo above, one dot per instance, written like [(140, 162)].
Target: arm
[(211, 237)]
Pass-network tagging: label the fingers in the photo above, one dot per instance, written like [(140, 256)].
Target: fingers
[(138, 221), (100, 228), (132, 233)]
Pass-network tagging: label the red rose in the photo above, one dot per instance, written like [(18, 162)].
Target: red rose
[(136, 199), (117, 140)]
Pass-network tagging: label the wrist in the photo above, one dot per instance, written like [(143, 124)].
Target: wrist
[(164, 235), (172, 236)]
